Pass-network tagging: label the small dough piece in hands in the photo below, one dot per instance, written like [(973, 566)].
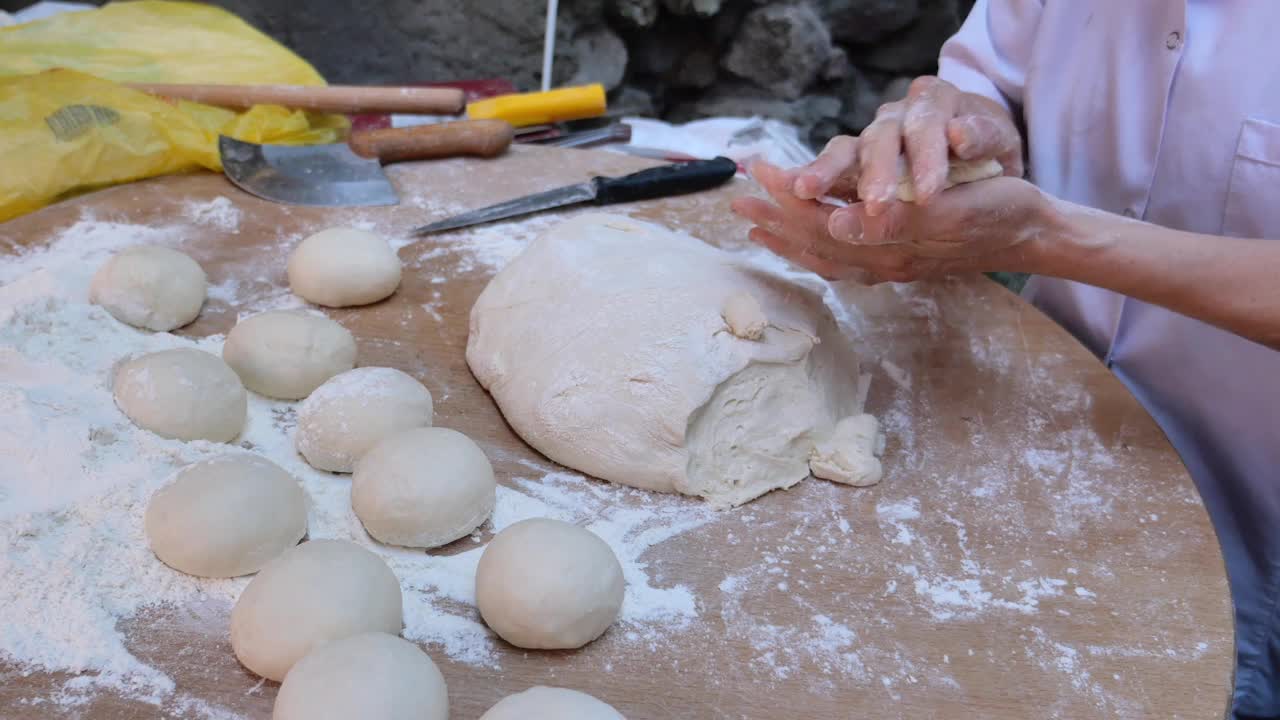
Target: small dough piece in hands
[(343, 266), (849, 455), (286, 354), (744, 316), (551, 703), (548, 585), (959, 172), (150, 287), (354, 410), (315, 593), (226, 516), (184, 393), (423, 487), (372, 676)]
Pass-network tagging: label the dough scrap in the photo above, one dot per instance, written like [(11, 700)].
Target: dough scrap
[(184, 393), (342, 267), (423, 487), (286, 354), (548, 585), (352, 411), (959, 172), (371, 676), (744, 316), (551, 703), (849, 455), (150, 287), (315, 593), (226, 516), (604, 345)]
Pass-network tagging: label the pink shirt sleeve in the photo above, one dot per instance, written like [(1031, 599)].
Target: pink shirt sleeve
[(990, 53)]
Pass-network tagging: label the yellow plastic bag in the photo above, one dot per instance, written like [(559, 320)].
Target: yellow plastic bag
[(65, 131)]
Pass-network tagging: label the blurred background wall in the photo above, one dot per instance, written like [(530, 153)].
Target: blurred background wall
[(823, 65)]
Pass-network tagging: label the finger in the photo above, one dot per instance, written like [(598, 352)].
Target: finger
[(798, 255), (879, 148), (802, 216), (929, 105), (837, 161), (982, 129)]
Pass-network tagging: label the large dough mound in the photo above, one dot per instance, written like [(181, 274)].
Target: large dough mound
[(606, 347)]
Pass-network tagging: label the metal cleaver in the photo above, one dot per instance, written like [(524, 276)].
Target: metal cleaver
[(351, 173)]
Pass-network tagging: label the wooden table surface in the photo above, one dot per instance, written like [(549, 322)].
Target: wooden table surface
[(1036, 549)]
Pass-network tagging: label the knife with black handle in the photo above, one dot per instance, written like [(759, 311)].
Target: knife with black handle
[(659, 182)]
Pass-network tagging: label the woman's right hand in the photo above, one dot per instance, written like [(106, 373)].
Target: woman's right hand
[(935, 121)]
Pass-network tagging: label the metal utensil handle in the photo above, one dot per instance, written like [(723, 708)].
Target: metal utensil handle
[(665, 181)]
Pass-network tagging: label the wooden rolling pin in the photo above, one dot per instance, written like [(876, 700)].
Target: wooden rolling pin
[(332, 98)]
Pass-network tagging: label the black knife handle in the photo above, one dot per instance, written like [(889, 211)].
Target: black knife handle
[(665, 181)]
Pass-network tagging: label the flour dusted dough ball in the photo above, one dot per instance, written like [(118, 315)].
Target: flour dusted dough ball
[(150, 287), (352, 411), (183, 393), (424, 487), (372, 676), (344, 266), (288, 353), (547, 584), (315, 593), (604, 343), (226, 516), (551, 703)]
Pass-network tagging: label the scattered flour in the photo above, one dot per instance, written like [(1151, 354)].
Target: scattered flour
[(78, 475)]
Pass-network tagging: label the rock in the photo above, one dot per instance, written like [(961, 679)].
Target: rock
[(742, 100), (698, 69), (601, 58), (837, 66), (914, 50), (860, 98), (632, 101), (635, 13), (457, 39), (705, 8), (782, 48), (867, 21)]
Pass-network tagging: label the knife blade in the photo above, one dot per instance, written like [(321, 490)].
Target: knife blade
[(664, 181)]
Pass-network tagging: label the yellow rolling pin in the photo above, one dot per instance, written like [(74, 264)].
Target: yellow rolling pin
[(542, 108)]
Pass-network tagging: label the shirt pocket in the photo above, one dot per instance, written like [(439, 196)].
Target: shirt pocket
[(1253, 195)]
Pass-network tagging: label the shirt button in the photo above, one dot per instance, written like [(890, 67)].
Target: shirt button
[(1174, 41)]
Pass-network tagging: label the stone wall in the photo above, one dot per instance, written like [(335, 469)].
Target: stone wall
[(825, 65)]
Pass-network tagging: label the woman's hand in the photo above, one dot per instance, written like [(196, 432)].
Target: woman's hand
[(934, 122), (997, 224)]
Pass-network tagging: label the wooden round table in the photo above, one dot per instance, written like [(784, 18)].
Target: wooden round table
[(1036, 549)]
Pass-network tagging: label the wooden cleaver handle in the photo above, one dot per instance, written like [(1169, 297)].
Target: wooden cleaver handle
[(480, 138), (332, 98)]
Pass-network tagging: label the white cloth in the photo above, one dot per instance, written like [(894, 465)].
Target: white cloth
[(1169, 111)]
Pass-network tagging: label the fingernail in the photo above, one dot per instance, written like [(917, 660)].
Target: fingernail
[(843, 227)]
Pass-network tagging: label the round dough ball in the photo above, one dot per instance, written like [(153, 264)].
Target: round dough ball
[(548, 585), (184, 394), (226, 516), (315, 593), (150, 287), (342, 266), (551, 703), (352, 411), (373, 676), (288, 353), (424, 487)]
